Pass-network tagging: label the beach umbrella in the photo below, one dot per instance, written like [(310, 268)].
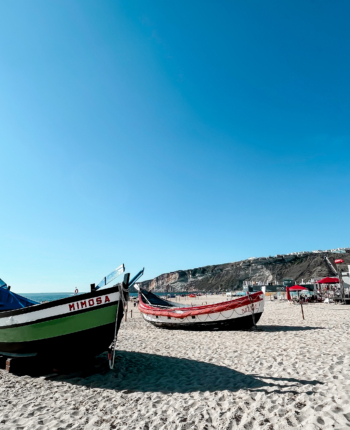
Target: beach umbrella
[(297, 288), (339, 261), (328, 280), (288, 294)]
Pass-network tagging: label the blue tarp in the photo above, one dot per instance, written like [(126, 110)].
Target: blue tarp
[(10, 300)]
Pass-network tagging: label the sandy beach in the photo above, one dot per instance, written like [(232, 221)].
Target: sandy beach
[(289, 373)]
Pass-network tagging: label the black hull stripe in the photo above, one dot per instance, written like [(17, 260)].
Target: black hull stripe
[(88, 342), (242, 323)]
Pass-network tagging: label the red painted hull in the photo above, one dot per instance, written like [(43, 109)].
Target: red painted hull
[(237, 313)]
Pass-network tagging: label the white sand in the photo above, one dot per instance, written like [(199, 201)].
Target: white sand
[(293, 373)]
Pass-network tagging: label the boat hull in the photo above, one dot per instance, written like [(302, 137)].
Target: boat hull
[(243, 323), (238, 314), (89, 342), (81, 325)]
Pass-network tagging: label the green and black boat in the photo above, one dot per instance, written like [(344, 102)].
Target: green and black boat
[(85, 324)]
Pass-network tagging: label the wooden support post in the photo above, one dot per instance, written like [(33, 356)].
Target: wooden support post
[(302, 310), (131, 313), (8, 365)]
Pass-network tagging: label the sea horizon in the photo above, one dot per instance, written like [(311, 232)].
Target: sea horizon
[(43, 297)]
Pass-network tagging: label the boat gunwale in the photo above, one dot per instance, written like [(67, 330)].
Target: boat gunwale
[(59, 302), (204, 309), (54, 317)]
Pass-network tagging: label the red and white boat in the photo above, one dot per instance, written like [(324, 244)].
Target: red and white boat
[(238, 314)]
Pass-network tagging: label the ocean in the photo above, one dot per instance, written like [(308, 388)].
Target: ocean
[(45, 297)]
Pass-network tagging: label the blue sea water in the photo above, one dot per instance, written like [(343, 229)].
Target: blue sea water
[(46, 297)]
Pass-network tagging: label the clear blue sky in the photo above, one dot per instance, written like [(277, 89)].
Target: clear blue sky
[(169, 135)]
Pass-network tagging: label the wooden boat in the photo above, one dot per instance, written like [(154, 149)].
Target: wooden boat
[(237, 314), (84, 324)]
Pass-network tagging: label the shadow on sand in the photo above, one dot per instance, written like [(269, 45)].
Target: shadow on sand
[(276, 328), (139, 372)]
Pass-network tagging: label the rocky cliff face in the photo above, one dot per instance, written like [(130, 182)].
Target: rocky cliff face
[(230, 276)]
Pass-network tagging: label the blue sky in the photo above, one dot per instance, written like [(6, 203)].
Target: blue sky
[(169, 135)]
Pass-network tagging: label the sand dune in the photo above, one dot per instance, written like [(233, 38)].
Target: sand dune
[(290, 373)]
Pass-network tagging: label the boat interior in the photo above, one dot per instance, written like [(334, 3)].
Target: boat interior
[(10, 301), (154, 300)]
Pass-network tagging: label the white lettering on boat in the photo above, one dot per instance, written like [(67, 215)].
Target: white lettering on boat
[(88, 303)]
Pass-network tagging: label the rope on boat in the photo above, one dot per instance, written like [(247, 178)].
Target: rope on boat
[(253, 316), (213, 309), (111, 349)]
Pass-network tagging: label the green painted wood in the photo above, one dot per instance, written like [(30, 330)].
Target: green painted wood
[(60, 326)]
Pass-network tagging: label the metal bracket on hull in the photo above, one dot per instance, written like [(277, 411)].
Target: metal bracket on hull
[(252, 304), (123, 288)]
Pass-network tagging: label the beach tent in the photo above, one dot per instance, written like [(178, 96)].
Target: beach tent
[(288, 294), (328, 280)]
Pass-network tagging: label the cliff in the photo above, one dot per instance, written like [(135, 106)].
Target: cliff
[(230, 276)]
